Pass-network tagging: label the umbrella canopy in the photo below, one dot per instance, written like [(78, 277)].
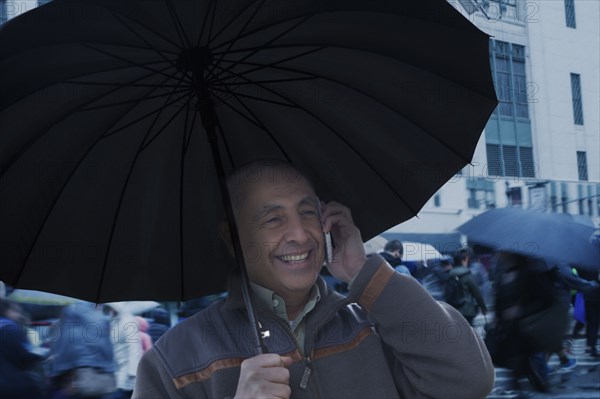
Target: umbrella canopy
[(552, 237), (107, 178)]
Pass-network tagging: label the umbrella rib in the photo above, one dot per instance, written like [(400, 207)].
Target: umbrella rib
[(264, 46), (264, 81), (159, 109), (228, 24), (89, 150), (135, 100), (263, 66), (339, 136), (154, 32), (438, 139), (232, 42), (213, 5), (257, 98), (162, 129), (118, 84), (35, 140), (401, 60), (143, 66), (79, 76), (258, 123), (139, 36), (120, 202), (183, 39), (255, 123)]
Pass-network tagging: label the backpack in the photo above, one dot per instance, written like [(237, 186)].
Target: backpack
[(455, 293)]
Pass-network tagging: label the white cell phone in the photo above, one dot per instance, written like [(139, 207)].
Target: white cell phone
[(328, 248)]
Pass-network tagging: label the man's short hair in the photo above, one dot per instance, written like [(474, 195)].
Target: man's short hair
[(250, 172), (394, 245)]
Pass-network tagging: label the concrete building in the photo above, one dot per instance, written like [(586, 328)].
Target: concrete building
[(541, 147)]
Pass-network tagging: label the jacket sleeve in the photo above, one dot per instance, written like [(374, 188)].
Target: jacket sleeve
[(474, 289), (153, 381), (436, 354)]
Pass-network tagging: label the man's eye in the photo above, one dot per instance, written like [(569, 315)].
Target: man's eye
[(308, 212), (273, 220)]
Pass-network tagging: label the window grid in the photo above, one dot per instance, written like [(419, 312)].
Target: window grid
[(510, 78), (582, 165), (576, 98), (570, 13)]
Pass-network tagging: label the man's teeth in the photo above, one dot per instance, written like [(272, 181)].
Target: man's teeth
[(294, 258)]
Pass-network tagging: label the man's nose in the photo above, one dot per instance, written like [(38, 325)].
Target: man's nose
[(296, 231)]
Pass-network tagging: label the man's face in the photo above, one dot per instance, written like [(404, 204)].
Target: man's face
[(281, 234)]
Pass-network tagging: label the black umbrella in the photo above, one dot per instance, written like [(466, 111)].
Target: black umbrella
[(120, 118), (556, 238)]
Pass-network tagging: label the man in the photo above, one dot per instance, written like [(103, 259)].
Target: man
[(388, 338), (473, 296), (392, 253)]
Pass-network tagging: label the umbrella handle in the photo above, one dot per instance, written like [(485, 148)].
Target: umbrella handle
[(209, 121)]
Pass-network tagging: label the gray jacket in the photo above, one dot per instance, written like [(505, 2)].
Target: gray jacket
[(388, 339)]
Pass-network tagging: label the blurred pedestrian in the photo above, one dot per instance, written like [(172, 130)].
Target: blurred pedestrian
[(127, 348), (392, 253), (18, 364), (435, 281), (160, 323), (473, 301), (145, 339), (525, 299), (566, 281), (480, 274), (592, 313), (81, 362)]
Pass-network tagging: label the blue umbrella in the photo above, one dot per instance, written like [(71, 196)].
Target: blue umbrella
[(554, 238)]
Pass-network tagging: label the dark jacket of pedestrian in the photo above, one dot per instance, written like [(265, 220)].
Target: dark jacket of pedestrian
[(474, 298), (83, 340), (17, 362), (160, 324)]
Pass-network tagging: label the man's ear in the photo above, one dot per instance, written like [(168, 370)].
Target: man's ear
[(225, 234)]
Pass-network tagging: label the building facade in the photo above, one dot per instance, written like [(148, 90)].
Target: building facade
[(541, 147)]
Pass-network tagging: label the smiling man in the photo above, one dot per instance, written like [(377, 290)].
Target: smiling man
[(389, 338)]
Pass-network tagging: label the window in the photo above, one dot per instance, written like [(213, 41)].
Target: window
[(576, 98), (437, 200), (582, 165), (481, 192), (570, 13), (499, 9), (508, 132), (507, 163)]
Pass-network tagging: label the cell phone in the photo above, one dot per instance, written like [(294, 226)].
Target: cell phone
[(328, 248)]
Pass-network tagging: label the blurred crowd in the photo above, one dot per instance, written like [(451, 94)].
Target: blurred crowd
[(534, 302), (93, 350), (90, 352)]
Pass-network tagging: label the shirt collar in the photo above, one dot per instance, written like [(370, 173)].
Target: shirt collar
[(276, 303)]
